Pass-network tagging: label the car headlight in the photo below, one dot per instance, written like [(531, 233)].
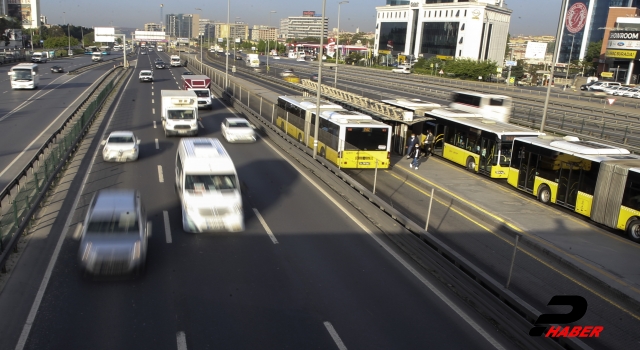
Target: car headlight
[(135, 253)]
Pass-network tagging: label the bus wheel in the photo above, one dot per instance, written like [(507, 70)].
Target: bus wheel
[(633, 230), (544, 194), (299, 137), (471, 164), (322, 153)]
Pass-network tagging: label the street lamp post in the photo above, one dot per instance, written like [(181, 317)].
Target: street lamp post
[(573, 37), (318, 94), (268, 31), (200, 41), (335, 81), (68, 33), (189, 39), (226, 68)]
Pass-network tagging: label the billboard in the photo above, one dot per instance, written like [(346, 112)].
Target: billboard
[(20, 9), (308, 13), (104, 34), (535, 50), (624, 40), (149, 36)]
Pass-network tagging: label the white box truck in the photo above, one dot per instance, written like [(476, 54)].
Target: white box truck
[(253, 60), (179, 112), (200, 85)]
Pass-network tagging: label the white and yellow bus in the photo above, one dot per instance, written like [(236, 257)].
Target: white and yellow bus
[(348, 139), (479, 144), (596, 180)]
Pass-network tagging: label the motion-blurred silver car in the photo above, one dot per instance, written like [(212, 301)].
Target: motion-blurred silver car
[(120, 146), (115, 234), (238, 130)]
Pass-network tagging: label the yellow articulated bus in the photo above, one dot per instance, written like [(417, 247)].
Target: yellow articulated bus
[(348, 139), (596, 180), (481, 145)]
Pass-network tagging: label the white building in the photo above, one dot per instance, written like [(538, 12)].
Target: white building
[(307, 26), (27, 11), (284, 28), (262, 32), (444, 28), (153, 27)]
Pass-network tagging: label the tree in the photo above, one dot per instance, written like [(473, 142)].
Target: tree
[(506, 50), (592, 54), (59, 42)]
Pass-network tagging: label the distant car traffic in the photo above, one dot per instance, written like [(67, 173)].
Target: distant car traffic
[(238, 130), (187, 73), (160, 65), (145, 75), (57, 69), (120, 146), (587, 85)]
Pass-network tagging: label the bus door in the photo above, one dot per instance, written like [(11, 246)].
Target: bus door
[(569, 178), (438, 141), (487, 152), (527, 171)]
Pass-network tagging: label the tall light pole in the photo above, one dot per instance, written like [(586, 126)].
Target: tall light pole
[(335, 81), (226, 67), (315, 131), (573, 37), (68, 32), (556, 52), (268, 35), (199, 9), (189, 40), (235, 38)]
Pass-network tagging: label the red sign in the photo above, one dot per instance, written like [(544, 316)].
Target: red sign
[(576, 17), (308, 13)]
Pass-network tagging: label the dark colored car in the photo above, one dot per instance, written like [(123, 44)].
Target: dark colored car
[(587, 85), (57, 69), (160, 65), (187, 73), (314, 77), (238, 58)]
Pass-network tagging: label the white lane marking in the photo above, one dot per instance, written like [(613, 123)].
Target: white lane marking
[(157, 145), (47, 275), (151, 93), (167, 227), (39, 94), (153, 101), (43, 131), (160, 175), (182, 340), (266, 227), (413, 271), (154, 124), (335, 336), (200, 123), (153, 111)]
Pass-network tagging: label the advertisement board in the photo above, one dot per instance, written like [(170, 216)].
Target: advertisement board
[(308, 13), (624, 40), (535, 50), (149, 36), (20, 9), (627, 54), (104, 34)]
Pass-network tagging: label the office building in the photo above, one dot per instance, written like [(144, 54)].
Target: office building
[(446, 29), (284, 28), (237, 30), (586, 22), (181, 25), (262, 32), (309, 25), (152, 27), (26, 11), (620, 46)]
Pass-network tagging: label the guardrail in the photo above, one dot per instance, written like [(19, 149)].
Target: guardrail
[(22, 197), (96, 64)]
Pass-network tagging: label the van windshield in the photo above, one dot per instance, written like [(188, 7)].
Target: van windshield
[(201, 183), (125, 222), (180, 114), (21, 74)]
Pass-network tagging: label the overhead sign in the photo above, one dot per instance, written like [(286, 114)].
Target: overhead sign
[(149, 36), (104, 34), (536, 50), (576, 17), (628, 54)]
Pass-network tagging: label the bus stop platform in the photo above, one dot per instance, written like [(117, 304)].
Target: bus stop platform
[(480, 218)]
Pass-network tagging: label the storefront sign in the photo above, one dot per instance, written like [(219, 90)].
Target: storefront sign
[(606, 74), (628, 54)]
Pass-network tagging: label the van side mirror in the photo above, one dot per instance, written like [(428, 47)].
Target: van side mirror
[(104, 142), (149, 229), (138, 141), (77, 234), (9, 73)]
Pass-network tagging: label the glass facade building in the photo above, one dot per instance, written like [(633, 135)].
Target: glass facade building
[(439, 38), (393, 36)]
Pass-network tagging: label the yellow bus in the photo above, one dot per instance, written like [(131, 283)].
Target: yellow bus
[(596, 180), (481, 145), (348, 139)]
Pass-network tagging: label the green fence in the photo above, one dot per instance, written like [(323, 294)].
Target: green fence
[(28, 193)]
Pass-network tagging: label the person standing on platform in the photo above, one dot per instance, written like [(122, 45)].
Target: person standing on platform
[(415, 154), (428, 144), (410, 146)]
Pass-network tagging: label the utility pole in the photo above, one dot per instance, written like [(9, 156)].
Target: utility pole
[(268, 34), (335, 82), (319, 92)]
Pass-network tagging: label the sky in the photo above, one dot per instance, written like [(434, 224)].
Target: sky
[(527, 17)]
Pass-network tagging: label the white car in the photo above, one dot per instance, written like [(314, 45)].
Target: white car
[(120, 146), (611, 90), (621, 91), (238, 130), (402, 69), (630, 92), (145, 75)]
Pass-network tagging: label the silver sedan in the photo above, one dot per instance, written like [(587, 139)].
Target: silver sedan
[(120, 146)]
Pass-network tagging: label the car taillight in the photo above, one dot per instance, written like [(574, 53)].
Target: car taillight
[(388, 155)]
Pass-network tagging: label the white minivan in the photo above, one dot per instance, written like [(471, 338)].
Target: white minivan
[(208, 187)]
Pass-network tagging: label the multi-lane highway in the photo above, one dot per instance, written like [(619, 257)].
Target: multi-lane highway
[(29, 117), (307, 272)]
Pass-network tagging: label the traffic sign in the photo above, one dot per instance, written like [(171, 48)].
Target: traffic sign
[(611, 100), (511, 63), (512, 80), (441, 72)]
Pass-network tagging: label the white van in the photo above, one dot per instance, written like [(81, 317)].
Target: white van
[(96, 57), (208, 187)]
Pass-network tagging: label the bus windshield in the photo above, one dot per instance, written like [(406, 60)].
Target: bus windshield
[(22, 74), (368, 139)]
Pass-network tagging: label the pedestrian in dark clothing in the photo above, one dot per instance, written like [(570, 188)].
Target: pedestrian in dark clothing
[(186, 62), (415, 154), (428, 144), (410, 146)]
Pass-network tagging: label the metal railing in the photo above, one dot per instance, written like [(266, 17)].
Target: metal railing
[(21, 198)]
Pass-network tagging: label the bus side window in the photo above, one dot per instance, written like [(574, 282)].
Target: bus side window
[(496, 102), (631, 196)]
